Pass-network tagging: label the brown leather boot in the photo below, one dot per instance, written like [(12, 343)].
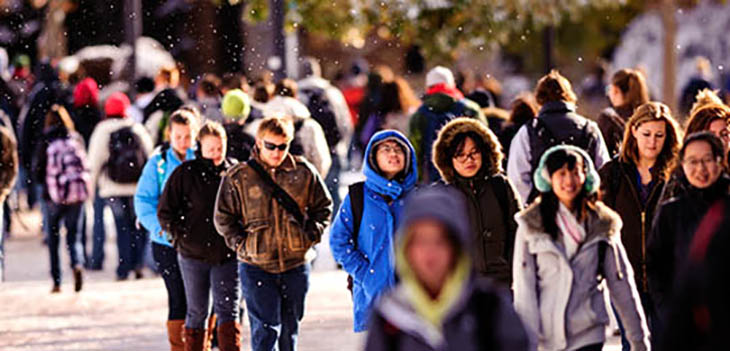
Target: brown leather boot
[(194, 339), (229, 336), (175, 334)]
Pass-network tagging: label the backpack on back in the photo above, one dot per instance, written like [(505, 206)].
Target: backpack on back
[(434, 122), (320, 107), (542, 138), (126, 156), (67, 176)]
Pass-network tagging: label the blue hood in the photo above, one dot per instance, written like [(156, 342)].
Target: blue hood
[(379, 184)]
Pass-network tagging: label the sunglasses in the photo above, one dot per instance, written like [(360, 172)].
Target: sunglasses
[(272, 147)]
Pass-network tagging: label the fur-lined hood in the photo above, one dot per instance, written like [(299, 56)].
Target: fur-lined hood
[(446, 136), (601, 221)]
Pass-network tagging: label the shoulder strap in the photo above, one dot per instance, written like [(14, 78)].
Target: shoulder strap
[(281, 196), (161, 165), (601, 271), (357, 204)]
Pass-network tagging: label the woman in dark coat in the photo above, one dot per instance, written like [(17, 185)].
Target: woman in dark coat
[(632, 184), (469, 157), (677, 219), (207, 264), (627, 91)]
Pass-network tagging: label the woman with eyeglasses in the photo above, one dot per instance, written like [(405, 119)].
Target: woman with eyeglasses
[(365, 247), (677, 219), (627, 91), (469, 157), (632, 185)]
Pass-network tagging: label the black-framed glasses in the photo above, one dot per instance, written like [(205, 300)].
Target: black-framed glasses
[(472, 156), (272, 146)]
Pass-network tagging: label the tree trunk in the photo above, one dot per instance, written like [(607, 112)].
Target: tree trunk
[(669, 22)]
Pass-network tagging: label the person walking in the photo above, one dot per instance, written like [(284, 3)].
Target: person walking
[(185, 212), (8, 176), (677, 219), (565, 240), (557, 123), (633, 185), (469, 157), (63, 170), (362, 232), (271, 210), (440, 302), (627, 91), (182, 129)]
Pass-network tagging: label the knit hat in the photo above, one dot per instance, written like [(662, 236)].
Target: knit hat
[(541, 178), (116, 105), (374, 162), (236, 104), (440, 75), (86, 93)]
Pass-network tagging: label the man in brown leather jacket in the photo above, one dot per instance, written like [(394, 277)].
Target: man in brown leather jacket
[(271, 239)]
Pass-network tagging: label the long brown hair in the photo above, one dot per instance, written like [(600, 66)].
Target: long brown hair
[(701, 119), (554, 87), (652, 112), (633, 87), (58, 116)]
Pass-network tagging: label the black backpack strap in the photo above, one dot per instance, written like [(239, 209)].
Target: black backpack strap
[(601, 270), (357, 204), (280, 195)]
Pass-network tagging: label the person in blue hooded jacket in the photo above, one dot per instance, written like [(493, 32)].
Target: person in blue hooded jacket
[(390, 173), (159, 167)]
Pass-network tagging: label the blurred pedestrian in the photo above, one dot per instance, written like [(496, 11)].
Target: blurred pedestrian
[(677, 219), (439, 302), (701, 79), (236, 109), (469, 157), (166, 158), (8, 175), (144, 88), (714, 118), (185, 212), (627, 91), (632, 184), (272, 209), (565, 240), (208, 97), (363, 230), (86, 107), (399, 103), (63, 170), (522, 110), (557, 123), (442, 103), (118, 151)]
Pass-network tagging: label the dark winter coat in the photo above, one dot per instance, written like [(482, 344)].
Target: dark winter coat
[(612, 122), (186, 208), (45, 93), (674, 227), (491, 216), (85, 120), (619, 188)]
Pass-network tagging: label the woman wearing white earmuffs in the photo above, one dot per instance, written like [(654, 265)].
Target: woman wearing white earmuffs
[(567, 245)]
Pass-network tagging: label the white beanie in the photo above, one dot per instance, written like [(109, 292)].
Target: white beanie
[(440, 75)]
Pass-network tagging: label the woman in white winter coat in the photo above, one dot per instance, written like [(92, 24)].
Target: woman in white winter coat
[(567, 246)]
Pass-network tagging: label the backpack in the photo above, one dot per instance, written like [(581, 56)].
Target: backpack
[(295, 147), (126, 156), (543, 138), (357, 204), (320, 107), (434, 121), (67, 176)]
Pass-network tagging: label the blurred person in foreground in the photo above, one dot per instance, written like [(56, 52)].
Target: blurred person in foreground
[(439, 302)]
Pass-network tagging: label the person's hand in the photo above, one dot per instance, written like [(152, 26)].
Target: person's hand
[(310, 229)]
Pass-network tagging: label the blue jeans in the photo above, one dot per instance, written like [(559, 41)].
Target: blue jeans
[(70, 215), (99, 235), (167, 264), (130, 239), (201, 279), (275, 305)]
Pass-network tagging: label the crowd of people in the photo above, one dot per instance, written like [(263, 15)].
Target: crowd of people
[(475, 227)]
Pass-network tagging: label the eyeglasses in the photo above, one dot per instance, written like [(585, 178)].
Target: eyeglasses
[(705, 161), (386, 149), (472, 156), (272, 147)]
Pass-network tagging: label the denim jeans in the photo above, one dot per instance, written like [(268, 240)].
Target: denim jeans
[(70, 215), (130, 239), (201, 279), (99, 234), (275, 305), (167, 264)]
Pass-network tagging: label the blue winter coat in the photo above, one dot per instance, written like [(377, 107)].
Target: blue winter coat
[(372, 263), (149, 188)]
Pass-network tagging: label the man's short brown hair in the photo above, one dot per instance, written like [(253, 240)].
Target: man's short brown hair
[(277, 126), (553, 87), (184, 117)]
